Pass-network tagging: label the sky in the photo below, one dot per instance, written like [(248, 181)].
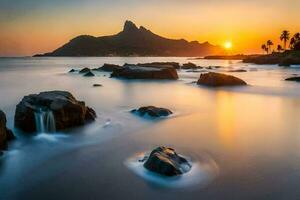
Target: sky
[(29, 27)]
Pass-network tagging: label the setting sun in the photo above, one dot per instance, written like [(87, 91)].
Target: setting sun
[(228, 45)]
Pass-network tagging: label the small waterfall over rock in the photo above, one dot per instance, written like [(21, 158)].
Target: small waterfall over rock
[(45, 121)]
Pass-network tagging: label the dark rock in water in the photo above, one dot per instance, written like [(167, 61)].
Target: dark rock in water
[(85, 70), (109, 67), (72, 71), (296, 78), (153, 111), (189, 65), (210, 67), (89, 74), (217, 79), (238, 70), (165, 161), (67, 111), (97, 85), (136, 72), (218, 67), (160, 64), (5, 134)]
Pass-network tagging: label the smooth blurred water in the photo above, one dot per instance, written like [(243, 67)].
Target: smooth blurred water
[(251, 133)]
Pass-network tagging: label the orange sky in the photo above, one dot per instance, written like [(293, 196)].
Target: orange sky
[(29, 28)]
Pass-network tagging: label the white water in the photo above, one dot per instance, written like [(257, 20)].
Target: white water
[(45, 121)]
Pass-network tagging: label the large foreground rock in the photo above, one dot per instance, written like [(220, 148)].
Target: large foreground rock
[(67, 111), (137, 72), (217, 79), (167, 162), (5, 134), (152, 111)]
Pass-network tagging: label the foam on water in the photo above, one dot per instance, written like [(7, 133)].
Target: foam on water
[(50, 137)]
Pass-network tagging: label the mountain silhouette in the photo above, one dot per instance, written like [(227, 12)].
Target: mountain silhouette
[(133, 41)]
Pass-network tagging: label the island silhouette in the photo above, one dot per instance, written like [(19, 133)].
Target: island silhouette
[(133, 41)]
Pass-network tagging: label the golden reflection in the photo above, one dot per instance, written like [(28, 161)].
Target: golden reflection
[(226, 118)]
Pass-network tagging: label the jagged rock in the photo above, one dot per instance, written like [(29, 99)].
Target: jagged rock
[(84, 70), (89, 74), (68, 112), (5, 134), (217, 79), (165, 161), (72, 71), (152, 111)]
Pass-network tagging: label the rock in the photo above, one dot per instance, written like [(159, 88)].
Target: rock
[(217, 79), (165, 161), (296, 78), (153, 111), (84, 70), (89, 74), (97, 85), (67, 111), (109, 67), (72, 71), (5, 134), (159, 64), (238, 70), (137, 72), (189, 65)]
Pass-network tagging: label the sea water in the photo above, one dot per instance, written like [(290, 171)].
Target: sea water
[(250, 134)]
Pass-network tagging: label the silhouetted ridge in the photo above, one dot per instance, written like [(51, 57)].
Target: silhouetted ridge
[(133, 41)]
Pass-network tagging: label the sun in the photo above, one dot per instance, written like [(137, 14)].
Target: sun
[(228, 45)]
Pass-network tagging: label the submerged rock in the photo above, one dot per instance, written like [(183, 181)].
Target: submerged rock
[(238, 70), (153, 111), (89, 74), (109, 67), (190, 65), (296, 78), (85, 70), (165, 161), (217, 79), (97, 85), (67, 111), (136, 72), (5, 134)]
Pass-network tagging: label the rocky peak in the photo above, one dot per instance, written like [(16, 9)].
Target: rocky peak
[(129, 26)]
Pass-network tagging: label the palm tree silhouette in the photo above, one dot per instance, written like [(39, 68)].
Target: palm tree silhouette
[(265, 48), (285, 36), (269, 44), (295, 41)]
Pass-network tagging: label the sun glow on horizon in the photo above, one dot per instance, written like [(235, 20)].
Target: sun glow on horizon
[(228, 45)]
